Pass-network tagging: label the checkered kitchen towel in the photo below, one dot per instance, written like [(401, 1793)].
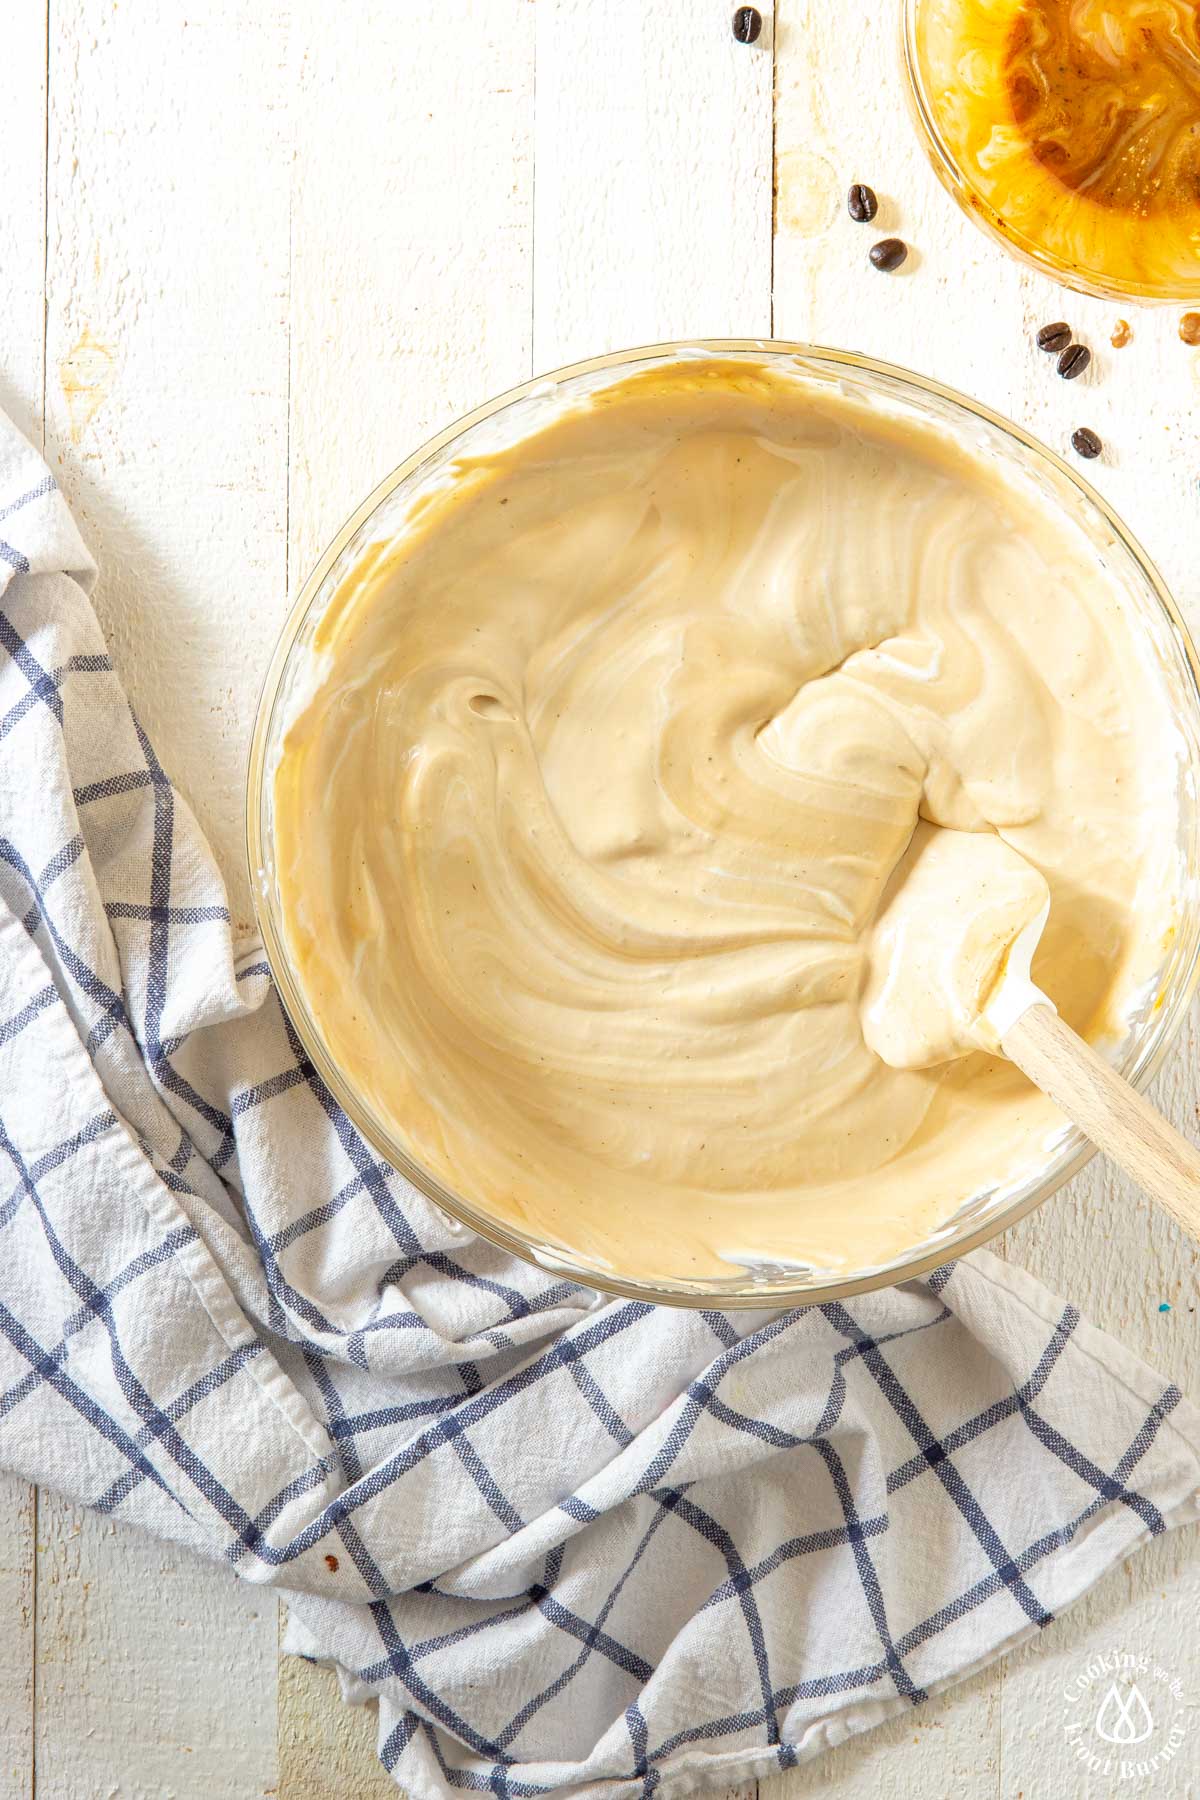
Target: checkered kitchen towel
[(573, 1544)]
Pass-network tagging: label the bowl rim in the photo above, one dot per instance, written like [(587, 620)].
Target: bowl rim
[(982, 213), (774, 1295)]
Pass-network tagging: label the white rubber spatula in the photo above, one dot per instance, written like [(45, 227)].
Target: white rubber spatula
[(949, 973)]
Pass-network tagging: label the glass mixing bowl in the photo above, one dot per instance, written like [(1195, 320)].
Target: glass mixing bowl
[(513, 416), (1121, 247)]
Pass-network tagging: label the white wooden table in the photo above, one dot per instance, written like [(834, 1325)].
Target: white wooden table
[(249, 257)]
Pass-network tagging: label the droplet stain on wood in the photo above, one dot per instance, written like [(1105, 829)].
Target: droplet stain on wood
[(806, 197), (85, 374)]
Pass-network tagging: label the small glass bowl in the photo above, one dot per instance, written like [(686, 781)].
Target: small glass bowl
[(513, 416), (937, 94)]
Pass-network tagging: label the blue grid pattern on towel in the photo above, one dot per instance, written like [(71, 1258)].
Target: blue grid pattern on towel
[(566, 1540)]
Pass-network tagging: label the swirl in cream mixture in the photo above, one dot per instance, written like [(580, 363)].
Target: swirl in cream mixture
[(605, 765), (1078, 123)]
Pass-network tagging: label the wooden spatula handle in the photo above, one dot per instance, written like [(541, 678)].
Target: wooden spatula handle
[(1118, 1120)]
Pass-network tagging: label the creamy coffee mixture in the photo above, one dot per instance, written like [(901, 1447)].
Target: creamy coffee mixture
[(605, 766)]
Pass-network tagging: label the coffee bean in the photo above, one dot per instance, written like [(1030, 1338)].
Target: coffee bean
[(1054, 337), (861, 203), (1086, 443), (888, 254), (747, 23), (1073, 361)]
